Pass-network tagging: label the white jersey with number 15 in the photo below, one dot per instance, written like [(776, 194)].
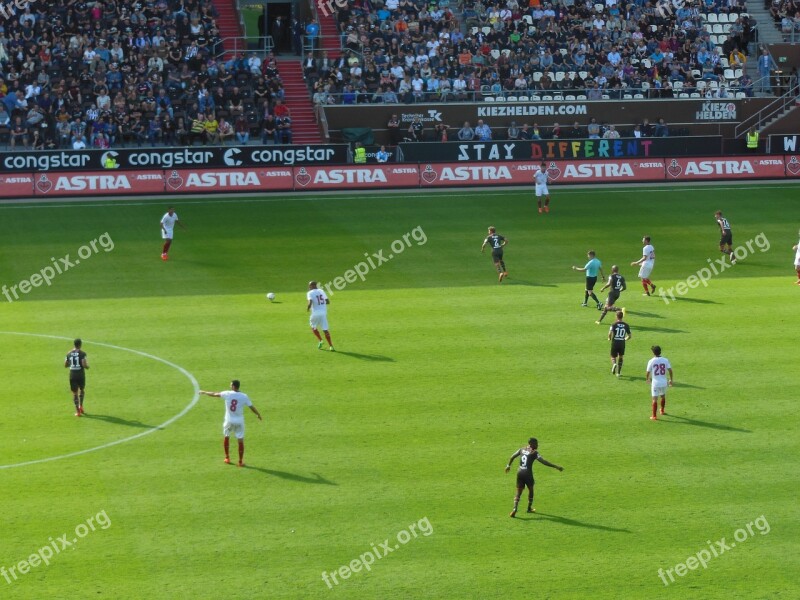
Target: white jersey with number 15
[(318, 300)]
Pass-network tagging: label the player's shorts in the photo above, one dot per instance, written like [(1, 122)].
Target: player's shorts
[(613, 296), (658, 390), (166, 235), (77, 381), (645, 270), (590, 281), (237, 429), (525, 478), (541, 190), (726, 238), (617, 348), (497, 255), (319, 321)]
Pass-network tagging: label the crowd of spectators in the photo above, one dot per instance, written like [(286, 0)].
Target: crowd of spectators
[(483, 132), (77, 74), (412, 51), (786, 14)]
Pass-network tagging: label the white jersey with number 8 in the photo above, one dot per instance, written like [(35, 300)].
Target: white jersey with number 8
[(235, 403)]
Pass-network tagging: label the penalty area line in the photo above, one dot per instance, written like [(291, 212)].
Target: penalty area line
[(163, 425)]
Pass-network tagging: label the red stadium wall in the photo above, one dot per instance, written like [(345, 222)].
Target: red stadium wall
[(298, 179)]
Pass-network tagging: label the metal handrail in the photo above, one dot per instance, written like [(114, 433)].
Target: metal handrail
[(533, 96), (241, 44), (773, 108)]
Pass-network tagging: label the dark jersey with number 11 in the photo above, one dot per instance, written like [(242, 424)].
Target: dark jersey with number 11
[(75, 360)]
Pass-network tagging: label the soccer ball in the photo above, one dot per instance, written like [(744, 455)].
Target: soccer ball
[(270, 296)]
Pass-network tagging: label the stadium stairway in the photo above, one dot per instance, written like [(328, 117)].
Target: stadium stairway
[(298, 99), (331, 38), (228, 23)]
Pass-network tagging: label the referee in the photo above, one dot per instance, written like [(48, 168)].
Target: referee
[(592, 268)]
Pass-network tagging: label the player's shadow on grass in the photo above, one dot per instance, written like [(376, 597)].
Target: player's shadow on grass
[(576, 523), (647, 315), (659, 329), (510, 281), (687, 421), (293, 476), (687, 385), (368, 357), (695, 300), (676, 384), (119, 421)]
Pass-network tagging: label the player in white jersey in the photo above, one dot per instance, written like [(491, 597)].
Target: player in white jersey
[(168, 222), (657, 369), (318, 305), (540, 177), (235, 401), (646, 264), (797, 261)]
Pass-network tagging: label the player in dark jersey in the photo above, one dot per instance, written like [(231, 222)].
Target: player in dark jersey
[(527, 456), (619, 333), (77, 365), (617, 284), (725, 236), (496, 243)]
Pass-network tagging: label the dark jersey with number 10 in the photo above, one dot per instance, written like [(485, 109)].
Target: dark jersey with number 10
[(620, 331)]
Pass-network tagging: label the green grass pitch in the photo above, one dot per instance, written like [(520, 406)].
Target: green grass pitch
[(440, 375)]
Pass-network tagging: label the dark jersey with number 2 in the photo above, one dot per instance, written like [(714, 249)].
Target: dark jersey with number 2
[(495, 240)]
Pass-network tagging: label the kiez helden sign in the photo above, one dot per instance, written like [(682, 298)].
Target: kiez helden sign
[(590, 149), (170, 158)]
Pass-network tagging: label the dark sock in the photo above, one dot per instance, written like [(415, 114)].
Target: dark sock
[(81, 398), (75, 401), (619, 365), (595, 298), (241, 450), (226, 444)]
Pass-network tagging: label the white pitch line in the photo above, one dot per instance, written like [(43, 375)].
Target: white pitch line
[(166, 423)]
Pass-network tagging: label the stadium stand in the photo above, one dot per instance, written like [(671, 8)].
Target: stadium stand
[(411, 51), (119, 72)]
